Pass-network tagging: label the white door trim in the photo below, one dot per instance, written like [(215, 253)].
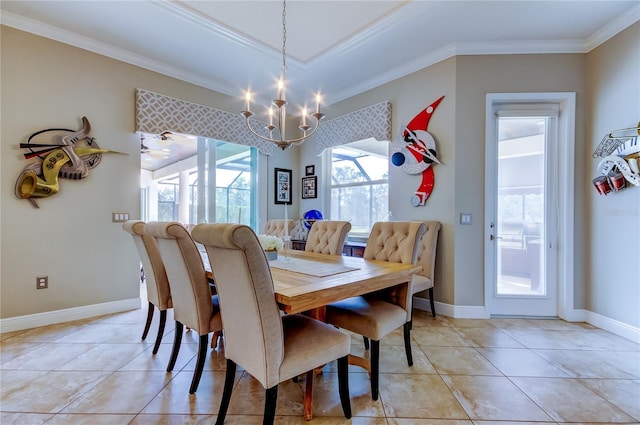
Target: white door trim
[(566, 167)]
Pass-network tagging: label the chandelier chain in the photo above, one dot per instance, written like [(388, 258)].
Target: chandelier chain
[(284, 37)]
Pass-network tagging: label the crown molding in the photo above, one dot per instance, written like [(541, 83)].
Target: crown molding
[(89, 44), (616, 26)]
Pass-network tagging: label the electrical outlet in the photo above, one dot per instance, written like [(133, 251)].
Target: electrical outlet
[(42, 282)]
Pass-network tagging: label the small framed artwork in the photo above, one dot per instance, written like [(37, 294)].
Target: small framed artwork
[(309, 189), (310, 170), (283, 186)]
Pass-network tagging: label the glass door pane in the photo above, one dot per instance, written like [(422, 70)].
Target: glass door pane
[(521, 206)]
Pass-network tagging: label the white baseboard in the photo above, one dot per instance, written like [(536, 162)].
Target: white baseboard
[(479, 312), (19, 323), (614, 326), (455, 311)]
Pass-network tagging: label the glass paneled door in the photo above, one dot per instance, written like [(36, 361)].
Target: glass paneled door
[(523, 222)]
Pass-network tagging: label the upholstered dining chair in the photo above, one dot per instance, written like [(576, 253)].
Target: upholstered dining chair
[(158, 292), (276, 227), (424, 279), (193, 304), (377, 314), (327, 237), (271, 347)]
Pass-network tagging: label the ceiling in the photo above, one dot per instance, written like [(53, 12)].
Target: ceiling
[(340, 48)]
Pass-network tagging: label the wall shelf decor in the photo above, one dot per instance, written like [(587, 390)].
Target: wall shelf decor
[(619, 151)]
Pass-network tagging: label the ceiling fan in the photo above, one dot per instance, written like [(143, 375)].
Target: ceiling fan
[(155, 153), (167, 138)]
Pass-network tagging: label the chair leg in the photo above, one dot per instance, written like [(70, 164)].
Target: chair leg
[(202, 356), (375, 368), (215, 338), (407, 342), (176, 346), (226, 393), (147, 325), (163, 320), (343, 385), (366, 342), (271, 397), (432, 302)]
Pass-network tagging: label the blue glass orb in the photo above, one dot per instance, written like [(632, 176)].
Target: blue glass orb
[(397, 159), (311, 216)]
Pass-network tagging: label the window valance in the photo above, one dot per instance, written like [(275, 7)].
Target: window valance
[(372, 121), (156, 113)]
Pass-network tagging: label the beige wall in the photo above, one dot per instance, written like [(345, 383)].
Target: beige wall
[(408, 96), (71, 239), (90, 260), (477, 76), (612, 222)]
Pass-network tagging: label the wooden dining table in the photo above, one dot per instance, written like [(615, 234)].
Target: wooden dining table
[(306, 282)]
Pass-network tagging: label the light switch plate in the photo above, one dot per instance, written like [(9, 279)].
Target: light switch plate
[(118, 217), (465, 218)]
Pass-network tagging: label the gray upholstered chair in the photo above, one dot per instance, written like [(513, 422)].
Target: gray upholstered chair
[(158, 292), (193, 304), (271, 347), (424, 279), (377, 314), (327, 237), (276, 227)]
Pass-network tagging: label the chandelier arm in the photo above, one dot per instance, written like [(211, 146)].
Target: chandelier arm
[(268, 139), (282, 141)]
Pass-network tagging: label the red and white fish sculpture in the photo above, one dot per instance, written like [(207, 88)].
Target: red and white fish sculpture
[(416, 152)]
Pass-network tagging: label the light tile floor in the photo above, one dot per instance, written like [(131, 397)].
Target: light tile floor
[(484, 372)]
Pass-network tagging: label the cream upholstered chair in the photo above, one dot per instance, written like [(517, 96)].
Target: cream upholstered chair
[(271, 347), (327, 237), (424, 279), (276, 227), (158, 292), (377, 314), (193, 304)]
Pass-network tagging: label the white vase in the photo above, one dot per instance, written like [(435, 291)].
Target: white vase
[(271, 255)]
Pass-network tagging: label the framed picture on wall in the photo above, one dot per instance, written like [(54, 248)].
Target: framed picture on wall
[(282, 186), (310, 170), (309, 187)]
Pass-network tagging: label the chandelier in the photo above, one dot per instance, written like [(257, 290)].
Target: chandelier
[(278, 106)]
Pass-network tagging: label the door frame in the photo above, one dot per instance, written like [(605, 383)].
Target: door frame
[(565, 193)]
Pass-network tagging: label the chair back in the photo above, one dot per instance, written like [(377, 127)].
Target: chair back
[(277, 227), (327, 237), (395, 241), (158, 292), (253, 332), (427, 250), (191, 294)]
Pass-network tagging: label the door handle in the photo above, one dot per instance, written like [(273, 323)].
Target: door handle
[(491, 237)]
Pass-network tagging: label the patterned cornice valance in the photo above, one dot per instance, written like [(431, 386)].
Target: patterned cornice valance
[(373, 121), (156, 113)]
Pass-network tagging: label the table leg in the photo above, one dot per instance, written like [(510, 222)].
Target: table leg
[(318, 314), (308, 397)]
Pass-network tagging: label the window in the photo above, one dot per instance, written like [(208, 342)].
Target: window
[(234, 177), (359, 183), (168, 197), (234, 197)]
